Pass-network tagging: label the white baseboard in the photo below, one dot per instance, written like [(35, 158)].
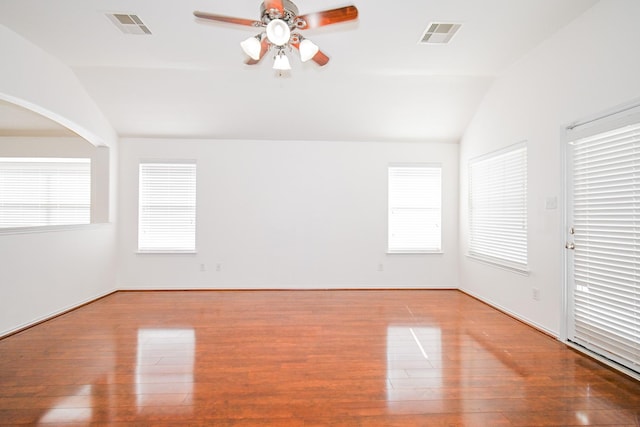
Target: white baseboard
[(55, 314), (511, 313), (276, 288), (258, 288)]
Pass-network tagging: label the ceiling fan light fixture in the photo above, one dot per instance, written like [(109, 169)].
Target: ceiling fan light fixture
[(308, 50), (279, 22), (252, 47), (281, 62), (278, 32)]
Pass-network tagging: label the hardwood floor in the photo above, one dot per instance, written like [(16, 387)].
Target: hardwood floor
[(317, 358)]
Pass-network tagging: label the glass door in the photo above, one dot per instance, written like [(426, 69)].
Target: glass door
[(603, 238)]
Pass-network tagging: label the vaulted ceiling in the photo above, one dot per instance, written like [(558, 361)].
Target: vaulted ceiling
[(188, 78)]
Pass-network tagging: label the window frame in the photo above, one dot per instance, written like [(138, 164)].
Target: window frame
[(144, 249), (435, 249), (478, 247)]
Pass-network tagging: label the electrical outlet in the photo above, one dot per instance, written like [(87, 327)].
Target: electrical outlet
[(218, 267), (203, 267), (535, 294), (380, 267)]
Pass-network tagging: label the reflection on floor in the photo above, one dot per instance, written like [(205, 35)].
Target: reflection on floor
[(164, 356), (396, 358), (412, 354)]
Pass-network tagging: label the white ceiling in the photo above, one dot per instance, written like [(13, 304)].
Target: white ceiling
[(188, 79)]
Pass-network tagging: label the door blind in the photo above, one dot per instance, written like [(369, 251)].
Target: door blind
[(415, 204), (167, 207), (498, 207), (606, 222), (44, 191)]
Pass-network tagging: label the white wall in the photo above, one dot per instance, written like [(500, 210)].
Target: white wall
[(293, 214), (592, 65), (46, 272)]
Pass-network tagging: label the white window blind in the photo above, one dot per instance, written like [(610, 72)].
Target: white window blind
[(498, 207), (415, 204), (606, 263), (44, 191), (167, 207)]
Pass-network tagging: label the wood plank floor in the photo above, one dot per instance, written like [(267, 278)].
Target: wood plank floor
[(317, 358)]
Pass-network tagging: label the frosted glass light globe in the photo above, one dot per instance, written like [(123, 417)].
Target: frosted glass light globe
[(252, 47), (278, 32), (281, 62), (308, 50)]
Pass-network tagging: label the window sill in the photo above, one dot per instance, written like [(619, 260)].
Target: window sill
[(513, 268), (51, 228), (166, 252), (398, 252)]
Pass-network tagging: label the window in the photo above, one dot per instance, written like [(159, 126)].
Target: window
[(44, 191), (167, 207), (498, 207), (415, 204)]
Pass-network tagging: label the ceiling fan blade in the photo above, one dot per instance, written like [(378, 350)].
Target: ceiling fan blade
[(264, 47), (320, 58), (274, 4), (327, 17), (227, 19)]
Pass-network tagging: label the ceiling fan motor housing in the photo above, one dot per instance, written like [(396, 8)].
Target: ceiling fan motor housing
[(290, 12)]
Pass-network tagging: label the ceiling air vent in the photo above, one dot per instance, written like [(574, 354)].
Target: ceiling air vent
[(128, 23), (439, 33)]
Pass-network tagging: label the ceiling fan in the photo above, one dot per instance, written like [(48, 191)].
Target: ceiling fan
[(280, 21)]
